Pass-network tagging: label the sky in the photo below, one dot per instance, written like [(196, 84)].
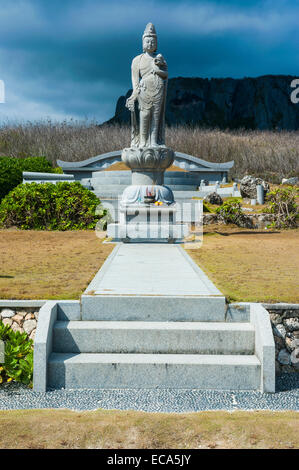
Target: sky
[(71, 59)]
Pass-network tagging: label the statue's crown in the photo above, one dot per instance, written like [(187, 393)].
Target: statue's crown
[(150, 30)]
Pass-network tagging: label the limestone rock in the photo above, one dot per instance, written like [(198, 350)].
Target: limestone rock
[(290, 344), (291, 324), (226, 103), (209, 219), (18, 319), (280, 331), (29, 316), (21, 312), (248, 186), (275, 318), (214, 198), (29, 325), (7, 313), (7, 321), (279, 343), (32, 334), (284, 357), (290, 181), (16, 327)]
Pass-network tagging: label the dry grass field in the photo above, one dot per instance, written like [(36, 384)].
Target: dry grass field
[(272, 154), (65, 429), (250, 265), (246, 265), (49, 265)]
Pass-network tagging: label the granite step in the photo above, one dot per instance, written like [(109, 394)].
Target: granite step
[(152, 308), (153, 337), (176, 371)]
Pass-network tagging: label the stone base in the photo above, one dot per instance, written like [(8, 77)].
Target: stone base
[(142, 232), (141, 222)]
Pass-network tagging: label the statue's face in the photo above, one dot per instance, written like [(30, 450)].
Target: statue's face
[(149, 44)]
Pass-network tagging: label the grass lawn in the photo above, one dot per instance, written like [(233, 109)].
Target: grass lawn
[(101, 429), (49, 265), (251, 265)]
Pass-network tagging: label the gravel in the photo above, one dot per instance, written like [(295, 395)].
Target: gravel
[(15, 396)]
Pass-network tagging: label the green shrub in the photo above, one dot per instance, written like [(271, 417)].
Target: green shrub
[(282, 203), (18, 365), (11, 170), (231, 213), (48, 206)]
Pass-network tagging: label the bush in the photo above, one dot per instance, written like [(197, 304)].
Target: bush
[(18, 358), (231, 213), (282, 203), (11, 171), (48, 206)]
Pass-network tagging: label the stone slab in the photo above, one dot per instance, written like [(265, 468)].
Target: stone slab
[(153, 337), (264, 346), (176, 371), (152, 282), (21, 303), (43, 345), (160, 231), (153, 308), (68, 310), (146, 269)]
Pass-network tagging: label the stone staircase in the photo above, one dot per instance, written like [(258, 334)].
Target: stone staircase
[(130, 354), (120, 340)]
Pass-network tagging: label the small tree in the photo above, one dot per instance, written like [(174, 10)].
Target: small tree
[(283, 203), (231, 213)]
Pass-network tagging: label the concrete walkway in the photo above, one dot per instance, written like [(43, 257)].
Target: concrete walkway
[(151, 269)]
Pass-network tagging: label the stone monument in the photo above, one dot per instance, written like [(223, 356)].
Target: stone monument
[(148, 157), (147, 207)]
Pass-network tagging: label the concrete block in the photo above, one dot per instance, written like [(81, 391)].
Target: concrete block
[(96, 371), (153, 337), (153, 308), (43, 344), (148, 231), (68, 310), (264, 346)]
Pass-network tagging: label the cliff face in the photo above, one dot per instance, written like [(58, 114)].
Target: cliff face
[(252, 103)]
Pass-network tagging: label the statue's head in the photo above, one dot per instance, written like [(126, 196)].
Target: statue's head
[(149, 39)]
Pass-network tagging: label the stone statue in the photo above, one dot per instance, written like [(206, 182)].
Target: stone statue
[(148, 157), (149, 80)]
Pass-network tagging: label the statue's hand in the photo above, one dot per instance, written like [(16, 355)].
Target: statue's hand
[(130, 103)]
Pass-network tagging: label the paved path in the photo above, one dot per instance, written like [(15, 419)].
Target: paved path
[(16, 396), (152, 269)]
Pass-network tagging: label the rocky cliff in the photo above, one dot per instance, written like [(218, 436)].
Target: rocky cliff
[(253, 103)]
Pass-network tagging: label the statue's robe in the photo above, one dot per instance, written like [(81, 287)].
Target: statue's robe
[(151, 89)]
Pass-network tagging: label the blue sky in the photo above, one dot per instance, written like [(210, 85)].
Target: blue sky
[(64, 59)]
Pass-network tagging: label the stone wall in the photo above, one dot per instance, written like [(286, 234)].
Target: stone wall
[(285, 326), (21, 319)]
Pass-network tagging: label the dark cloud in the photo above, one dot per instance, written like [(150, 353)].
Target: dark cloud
[(72, 58)]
